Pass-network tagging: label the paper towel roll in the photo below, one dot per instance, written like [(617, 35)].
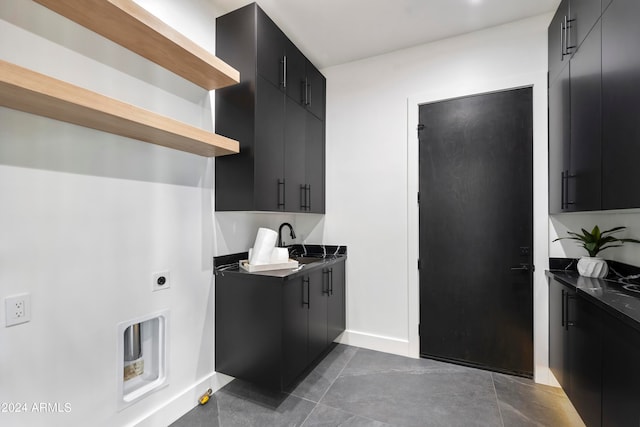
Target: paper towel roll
[(263, 246)]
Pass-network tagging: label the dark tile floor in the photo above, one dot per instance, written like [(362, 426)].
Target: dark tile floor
[(359, 387)]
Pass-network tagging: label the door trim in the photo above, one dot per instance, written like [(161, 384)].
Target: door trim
[(538, 81)]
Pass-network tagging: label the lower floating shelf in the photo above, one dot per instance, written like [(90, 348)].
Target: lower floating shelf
[(25, 90)]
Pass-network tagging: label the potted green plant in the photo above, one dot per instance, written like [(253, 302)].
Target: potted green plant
[(595, 242)]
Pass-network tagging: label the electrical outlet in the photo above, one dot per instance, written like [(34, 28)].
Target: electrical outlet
[(17, 309), (160, 280)]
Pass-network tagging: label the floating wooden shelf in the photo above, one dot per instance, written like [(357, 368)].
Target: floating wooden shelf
[(25, 90), (131, 26)]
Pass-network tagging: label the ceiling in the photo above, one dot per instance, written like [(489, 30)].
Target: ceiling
[(332, 32)]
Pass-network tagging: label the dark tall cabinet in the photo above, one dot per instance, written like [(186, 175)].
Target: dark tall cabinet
[(277, 113), (574, 107)]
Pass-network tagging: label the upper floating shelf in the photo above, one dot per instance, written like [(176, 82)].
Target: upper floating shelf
[(131, 26), (25, 90)]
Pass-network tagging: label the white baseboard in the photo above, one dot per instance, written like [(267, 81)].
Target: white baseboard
[(375, 342), (184, 402)]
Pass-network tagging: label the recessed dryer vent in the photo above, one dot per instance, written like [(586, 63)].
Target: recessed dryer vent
[(142, 350)]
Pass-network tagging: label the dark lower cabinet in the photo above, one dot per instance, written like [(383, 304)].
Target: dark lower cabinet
[(559, 333), (575, 349), (585, 360), (269, 330), (620, 374), (336, 309)]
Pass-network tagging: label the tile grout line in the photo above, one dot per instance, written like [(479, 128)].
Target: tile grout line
[(328, 388), (495, 392)]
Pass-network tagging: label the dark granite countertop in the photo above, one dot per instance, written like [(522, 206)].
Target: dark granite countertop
[(612, 293), (323, 254)]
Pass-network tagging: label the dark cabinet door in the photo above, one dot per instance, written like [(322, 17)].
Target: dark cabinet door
[(314, 164), (294, 156), (316, 91), (336, 322), (295, 73), (584, 177), (559, 142), (620, 104), (269, 184), (585, 360), (620, 374), (317, 314), (271, 47), (583, 15), (556, 39), (294, 334), (559, 333)]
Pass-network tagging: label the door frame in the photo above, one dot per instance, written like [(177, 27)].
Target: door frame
[(538, 83)]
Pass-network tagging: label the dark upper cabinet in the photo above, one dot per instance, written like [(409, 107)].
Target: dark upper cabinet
[(569, 27), (583, 14), (270, 113), (575, 131), (621, 104), (559, 142), (584, 174), (557, 49), (620, 374), (592, 164)]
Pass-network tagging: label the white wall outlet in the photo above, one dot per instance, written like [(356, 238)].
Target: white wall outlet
[(160, 281), (17, 309)]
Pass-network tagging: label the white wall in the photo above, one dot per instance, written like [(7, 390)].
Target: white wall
[(86, 217), (629, 253), (372, 174)]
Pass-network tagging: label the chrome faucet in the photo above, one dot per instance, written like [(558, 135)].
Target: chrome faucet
[(293, 234)]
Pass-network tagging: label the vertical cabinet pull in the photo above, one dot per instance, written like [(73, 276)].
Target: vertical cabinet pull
[(281, 193), (305, 281), (305, 197), (565, 37), (562, 196), (331, 281), (562, 310), (325, 290), (284, 71), (562, 41)]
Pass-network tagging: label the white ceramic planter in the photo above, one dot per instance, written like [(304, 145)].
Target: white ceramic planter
[(593, 267)]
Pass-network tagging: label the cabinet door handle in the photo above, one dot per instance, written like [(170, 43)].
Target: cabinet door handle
[(562, 195), (325, 273), (281, 193), (562, 309), (309, 94), (331, 281), (308, 195), (561, 41), (284, 71), (305, 281), (569, 24)]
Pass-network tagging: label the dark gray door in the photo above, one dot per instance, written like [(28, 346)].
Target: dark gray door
[(476, 231)]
